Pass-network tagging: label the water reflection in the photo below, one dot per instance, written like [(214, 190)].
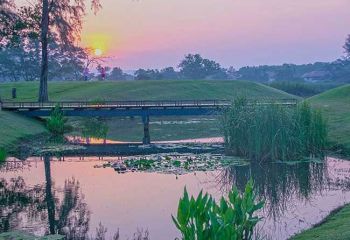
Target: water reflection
[(63, 212), (278, 183), (43, 196)]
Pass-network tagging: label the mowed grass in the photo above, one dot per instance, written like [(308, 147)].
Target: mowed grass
[(144, 90), (14, 127), (335, 227), (132, 130), (335, 104)]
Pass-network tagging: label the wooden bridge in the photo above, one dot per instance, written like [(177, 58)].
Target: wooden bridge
[(144, 109)]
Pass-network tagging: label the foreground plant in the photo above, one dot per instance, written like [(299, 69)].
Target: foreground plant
[(231, 219)]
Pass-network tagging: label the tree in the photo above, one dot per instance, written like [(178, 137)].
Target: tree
[(196, 67), (116, 74), (347, 47), (149, 74), (63, 17), (169, 73), (7, 15)]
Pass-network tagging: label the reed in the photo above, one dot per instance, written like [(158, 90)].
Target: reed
[(273, 132), (3, 155)]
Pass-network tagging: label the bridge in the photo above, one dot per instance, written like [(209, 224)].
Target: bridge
[(144, 109)]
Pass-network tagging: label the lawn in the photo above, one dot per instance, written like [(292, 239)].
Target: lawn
[(161, 128), (334, 227), (144, 90), (335, 104), (14, 127)]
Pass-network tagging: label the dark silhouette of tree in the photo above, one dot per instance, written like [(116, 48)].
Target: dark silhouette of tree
[(116, 74), (64, 18), (347, 47), (196, 67)]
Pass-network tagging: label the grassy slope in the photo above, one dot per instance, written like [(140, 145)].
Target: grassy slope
[(335, 227), (14, 127), (335, 104), (143, 90)]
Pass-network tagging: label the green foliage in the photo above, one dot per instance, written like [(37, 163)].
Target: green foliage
[(3, 155), (271, 132), (230, 219), (56, 123), (302, 89), (95, 127)]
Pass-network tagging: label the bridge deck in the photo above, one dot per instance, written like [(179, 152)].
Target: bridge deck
[(8, 105)]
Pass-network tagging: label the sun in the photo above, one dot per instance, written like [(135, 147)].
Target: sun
[(98, 52)]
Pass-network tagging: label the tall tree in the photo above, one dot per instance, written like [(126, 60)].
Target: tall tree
[(63, 19), (347, 47)]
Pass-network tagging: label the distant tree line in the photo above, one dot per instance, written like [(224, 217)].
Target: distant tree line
[(20, 58)]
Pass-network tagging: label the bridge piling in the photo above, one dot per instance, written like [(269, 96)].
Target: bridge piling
[(146, 134)]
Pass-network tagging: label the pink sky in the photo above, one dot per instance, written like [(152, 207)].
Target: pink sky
[(158, 33)]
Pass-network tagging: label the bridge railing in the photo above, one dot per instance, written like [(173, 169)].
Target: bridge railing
[(138, 104)]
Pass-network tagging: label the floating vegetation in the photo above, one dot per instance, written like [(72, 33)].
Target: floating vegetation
[(175, 163), (55, 149)]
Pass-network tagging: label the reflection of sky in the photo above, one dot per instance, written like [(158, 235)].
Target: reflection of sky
[(156, 33), (147, 200)]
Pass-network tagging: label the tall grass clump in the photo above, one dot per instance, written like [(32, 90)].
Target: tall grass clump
[(273, 132), (3, 155), (233, 218)]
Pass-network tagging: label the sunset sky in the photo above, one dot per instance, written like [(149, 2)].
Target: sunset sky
[(158, 33)]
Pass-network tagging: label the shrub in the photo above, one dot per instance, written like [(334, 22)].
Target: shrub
[(56, 122), (271, 132), (231, 219), (95, 128)]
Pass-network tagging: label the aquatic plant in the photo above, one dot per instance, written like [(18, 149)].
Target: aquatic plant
[(272, 132), (56, 123), (95, 128), (3, 155), (231, 219)]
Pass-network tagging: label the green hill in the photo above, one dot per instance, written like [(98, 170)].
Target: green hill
[(144, 90), (14, 127), (335, 104), (131, 130)]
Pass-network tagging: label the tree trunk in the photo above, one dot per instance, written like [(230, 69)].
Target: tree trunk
[(49, 196), (43, 93)]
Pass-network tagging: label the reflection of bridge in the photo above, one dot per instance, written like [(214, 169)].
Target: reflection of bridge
[(145, 109)]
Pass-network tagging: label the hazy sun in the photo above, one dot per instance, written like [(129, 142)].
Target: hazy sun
[(98, 52)]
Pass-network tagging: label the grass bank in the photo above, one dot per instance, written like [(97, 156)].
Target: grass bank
[(336, 227), (335, 104), (162, 128), (14, 127), (144, 90)]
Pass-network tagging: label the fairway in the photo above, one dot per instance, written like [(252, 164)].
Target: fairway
[(144, 90), (335, 104)]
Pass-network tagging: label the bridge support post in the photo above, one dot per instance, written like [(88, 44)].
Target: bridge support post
[(146, 135)]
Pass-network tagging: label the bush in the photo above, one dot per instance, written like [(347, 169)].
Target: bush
[(95, 127), (302, 89), (272, 132), (232, 219), (56, 123)]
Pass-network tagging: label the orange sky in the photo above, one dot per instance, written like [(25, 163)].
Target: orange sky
[(158, 33)]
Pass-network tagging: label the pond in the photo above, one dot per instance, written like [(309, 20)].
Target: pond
[(86, 191)]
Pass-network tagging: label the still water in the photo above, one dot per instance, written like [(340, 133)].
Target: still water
[(81, 196)]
